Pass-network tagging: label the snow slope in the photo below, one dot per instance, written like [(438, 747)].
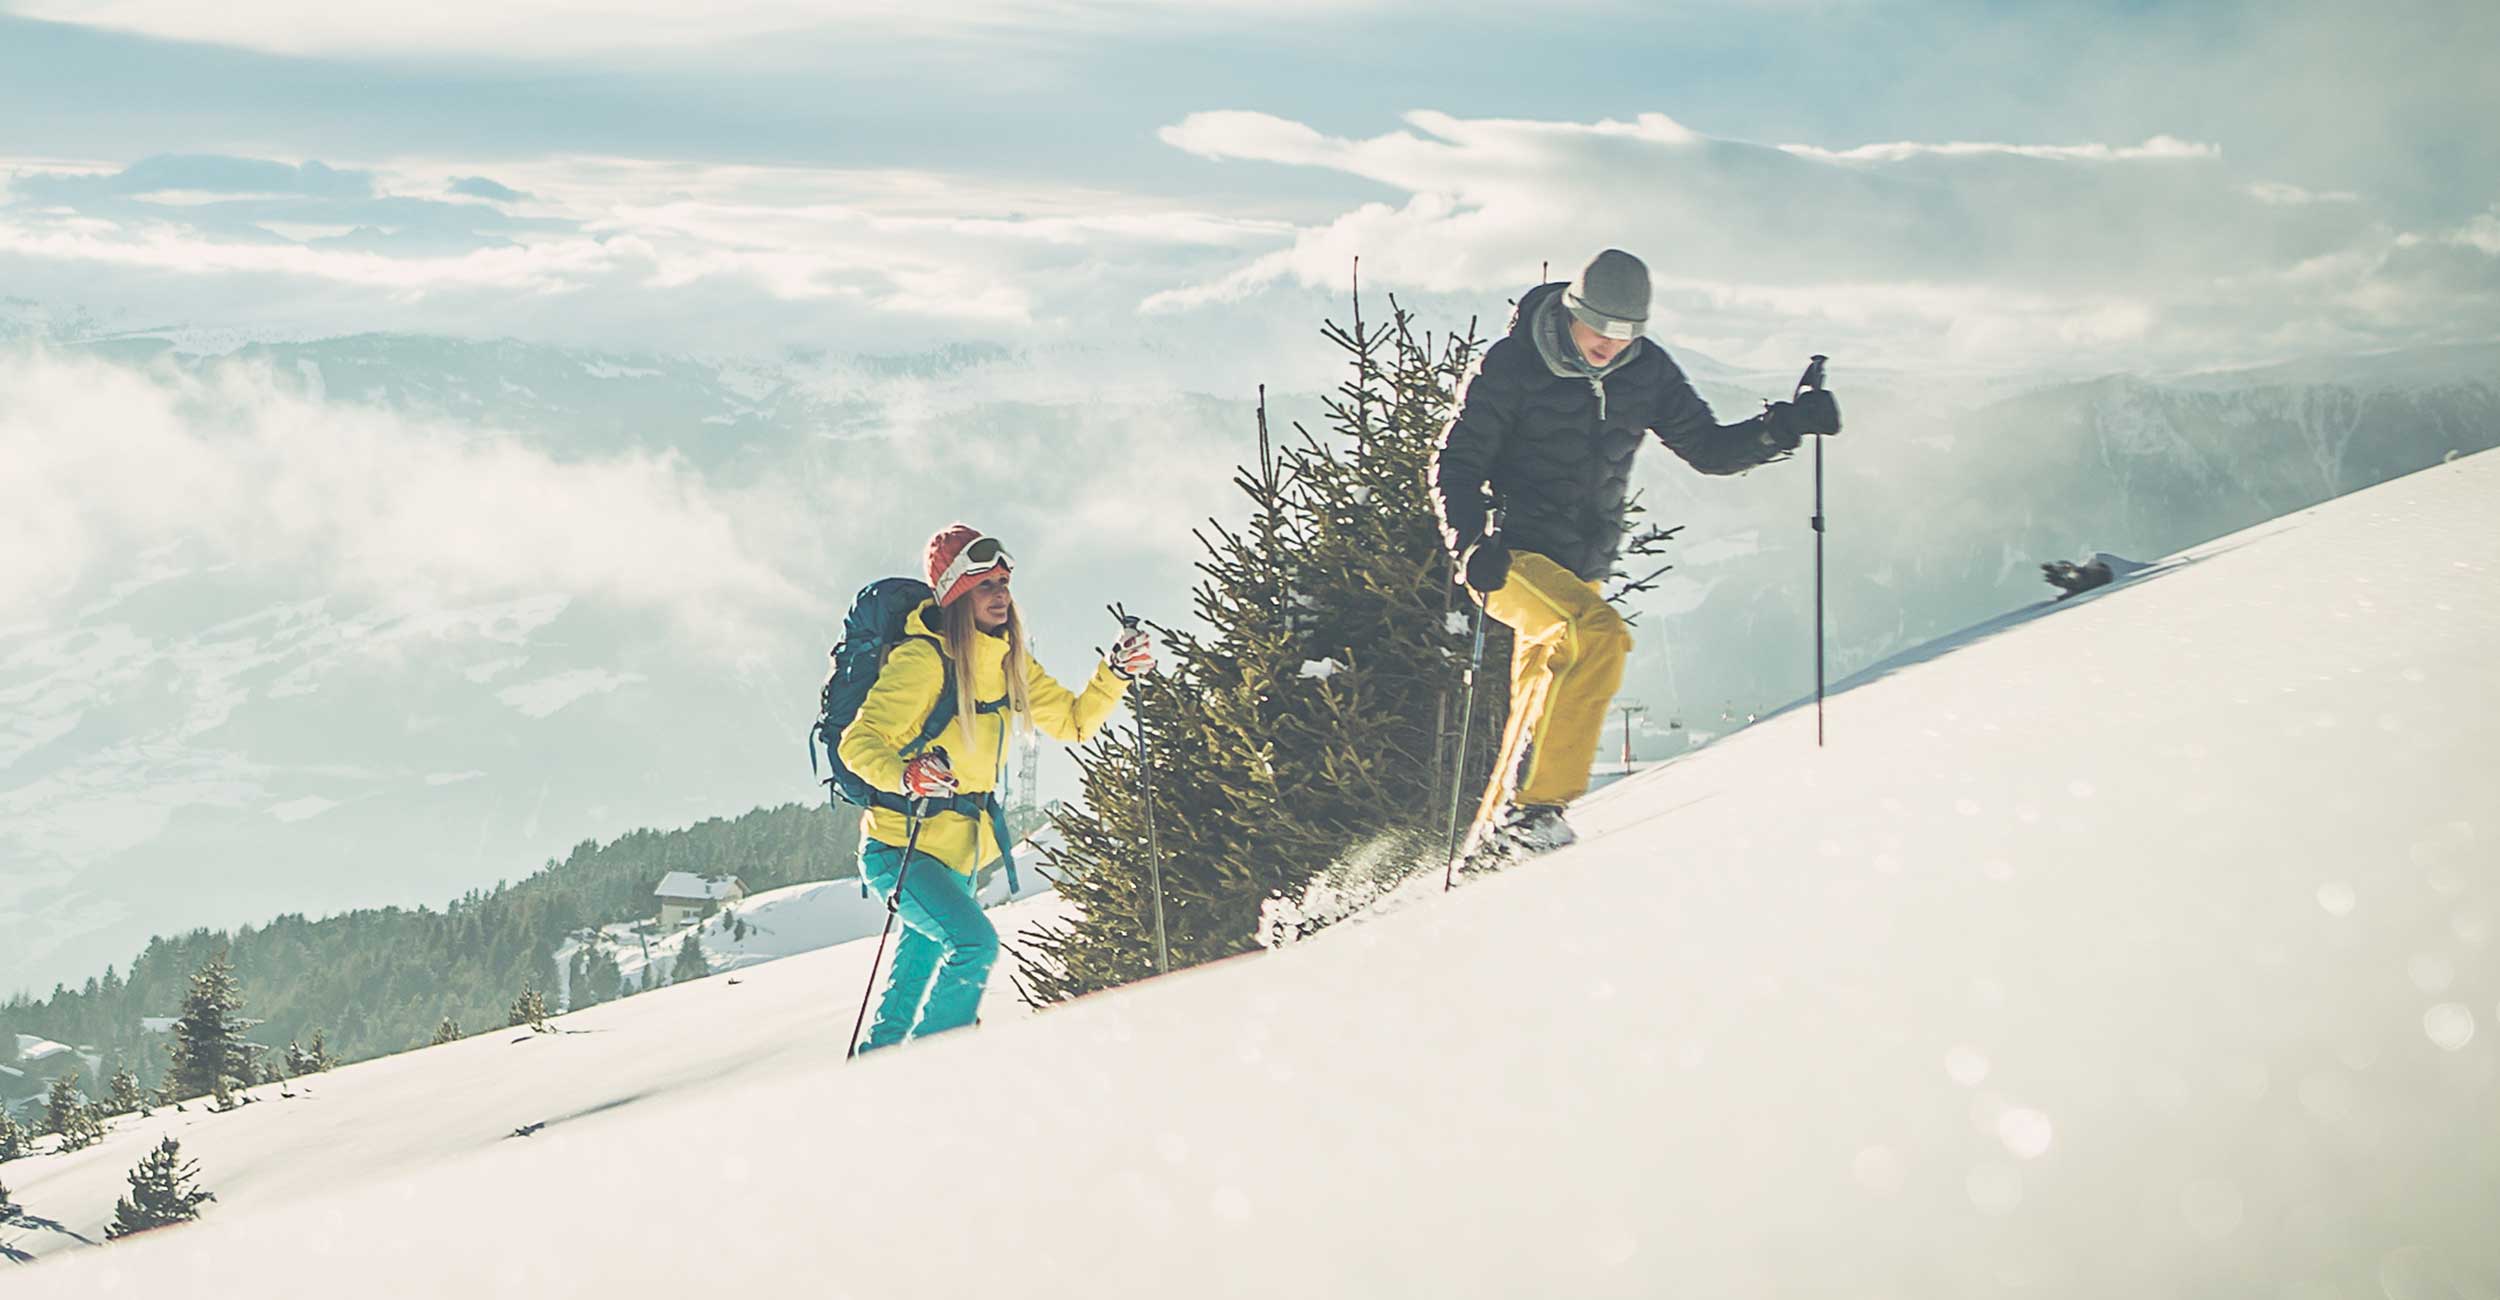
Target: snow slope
[(2141, 949)]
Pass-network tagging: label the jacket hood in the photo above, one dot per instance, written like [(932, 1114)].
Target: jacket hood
[(1522, 325)]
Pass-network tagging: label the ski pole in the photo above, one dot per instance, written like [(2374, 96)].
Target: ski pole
[(1146, 788), (1458, 765), (915, 812), (1813, 378)]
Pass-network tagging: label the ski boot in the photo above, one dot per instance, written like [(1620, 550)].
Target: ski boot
[(1515, 832)]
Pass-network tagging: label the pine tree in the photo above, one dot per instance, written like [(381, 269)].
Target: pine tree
[(446, 1032), (67, 1115), (301, 1061), (125, 1097), (163, 1190), (605, 977), (1313, 717), (691, 964), (208, 1049), (61, 1106), (15, 1142), (530, 1009), (9, 1208)]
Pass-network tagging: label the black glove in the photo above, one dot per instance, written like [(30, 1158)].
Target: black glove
[(1817, 412), (1785, 424), (1486, 565)]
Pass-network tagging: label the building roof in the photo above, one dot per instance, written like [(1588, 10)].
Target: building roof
[(688, 885), (31, 1048)]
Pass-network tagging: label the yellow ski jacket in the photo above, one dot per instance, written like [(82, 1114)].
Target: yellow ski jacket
[(976, 745)]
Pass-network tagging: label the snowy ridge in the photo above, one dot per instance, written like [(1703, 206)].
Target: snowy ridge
[(2142, 949)]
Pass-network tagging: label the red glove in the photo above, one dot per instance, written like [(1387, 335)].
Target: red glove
[(1132, 654), (928, 776)]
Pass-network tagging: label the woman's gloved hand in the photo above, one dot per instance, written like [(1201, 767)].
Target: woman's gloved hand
[(929, 776), (1133, 655)]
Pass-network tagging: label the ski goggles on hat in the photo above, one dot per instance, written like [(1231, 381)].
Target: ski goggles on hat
[(981, 556), (1611, 326)]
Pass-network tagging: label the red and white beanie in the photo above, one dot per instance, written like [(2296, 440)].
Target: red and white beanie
[(959, 557)]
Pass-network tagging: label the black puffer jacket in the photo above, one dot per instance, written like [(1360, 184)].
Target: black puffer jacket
[(1537, 444)]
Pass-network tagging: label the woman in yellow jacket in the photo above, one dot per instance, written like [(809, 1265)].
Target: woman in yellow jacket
[(971, 632)]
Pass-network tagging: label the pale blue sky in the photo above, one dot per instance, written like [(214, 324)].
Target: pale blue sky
[(2322, 95)]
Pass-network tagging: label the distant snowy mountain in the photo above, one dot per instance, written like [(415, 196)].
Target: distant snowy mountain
[(2141, 946)]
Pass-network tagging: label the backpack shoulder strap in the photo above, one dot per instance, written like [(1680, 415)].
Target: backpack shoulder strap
[(943, 711)]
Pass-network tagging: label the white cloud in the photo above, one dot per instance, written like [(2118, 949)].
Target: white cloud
[(304, 809), (545, 696), (97, 460), (611, 251), (2159, 147), (2032, 255)]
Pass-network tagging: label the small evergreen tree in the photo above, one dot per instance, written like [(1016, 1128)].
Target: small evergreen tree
[(125, 1096), (301, 1061), (319, 1054), (1315, 715), (15, 1143), (446, 1032), (606, 979), (163, 1190), (691, 963), (61, 1106), (529, 1009), (9, 1208), (67, 1115), (208, 1050)]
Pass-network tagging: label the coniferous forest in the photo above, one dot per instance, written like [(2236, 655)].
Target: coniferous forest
[(381, 980)]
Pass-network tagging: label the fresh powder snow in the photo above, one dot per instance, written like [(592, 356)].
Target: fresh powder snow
[(2142, 946)]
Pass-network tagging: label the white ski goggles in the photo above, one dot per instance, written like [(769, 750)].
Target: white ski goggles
[(983, 555)]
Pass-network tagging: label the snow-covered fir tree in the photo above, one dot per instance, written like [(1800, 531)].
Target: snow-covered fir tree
[(209, 1054), (124, 1096), (67, 1115), (15, 1141), (446, 1032), (163, 1190), (1318, 710), (529, 1009), (301, 1061)]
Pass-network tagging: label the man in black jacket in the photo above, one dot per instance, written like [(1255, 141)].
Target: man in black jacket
[(1545, 434)]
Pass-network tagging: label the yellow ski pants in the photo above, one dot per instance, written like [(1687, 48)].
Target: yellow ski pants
[(1566, 659)]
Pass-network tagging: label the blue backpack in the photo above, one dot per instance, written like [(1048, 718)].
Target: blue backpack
[(879, 620)]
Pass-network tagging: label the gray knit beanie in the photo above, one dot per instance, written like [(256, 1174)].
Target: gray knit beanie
[(1612, 295)]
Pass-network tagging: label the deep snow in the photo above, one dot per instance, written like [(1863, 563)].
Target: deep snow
[(2139, 949)]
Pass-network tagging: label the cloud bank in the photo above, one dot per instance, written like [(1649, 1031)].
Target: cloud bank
[(1972, 251), (601, 251), (100, 461)]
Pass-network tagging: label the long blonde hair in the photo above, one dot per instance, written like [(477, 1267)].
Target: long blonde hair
[(957, 627)]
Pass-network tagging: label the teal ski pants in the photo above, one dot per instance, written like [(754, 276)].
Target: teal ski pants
[(943, 962)]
